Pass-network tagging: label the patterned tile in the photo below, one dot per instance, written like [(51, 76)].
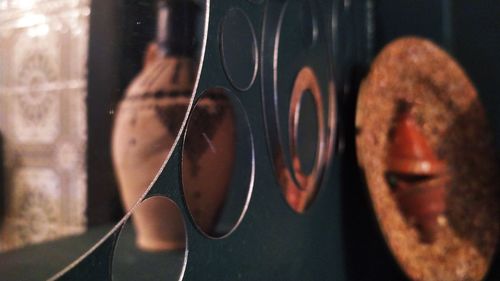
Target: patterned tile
[(43, 53)]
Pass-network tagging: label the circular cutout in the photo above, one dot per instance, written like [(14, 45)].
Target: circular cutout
[(309, 24), (155, 235), (305, 87), (306, 132), (299, 25), (239, 51), (217, 162), (292, 96), (442, 128), (146, 123), (300, 185)]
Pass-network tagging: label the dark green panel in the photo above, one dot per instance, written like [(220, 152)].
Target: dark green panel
[(337, 238)]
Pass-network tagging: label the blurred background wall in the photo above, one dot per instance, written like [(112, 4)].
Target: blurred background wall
[(43, 119)]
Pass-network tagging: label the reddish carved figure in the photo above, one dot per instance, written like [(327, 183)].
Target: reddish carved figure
[(418, 177)]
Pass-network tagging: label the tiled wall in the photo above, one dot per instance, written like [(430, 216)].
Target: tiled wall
[(43, 52)]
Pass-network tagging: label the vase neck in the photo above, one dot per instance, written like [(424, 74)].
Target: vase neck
[(176, 27)]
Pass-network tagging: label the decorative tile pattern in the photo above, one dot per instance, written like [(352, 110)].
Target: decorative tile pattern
[(34, 206), (36, 110), (43, 53)]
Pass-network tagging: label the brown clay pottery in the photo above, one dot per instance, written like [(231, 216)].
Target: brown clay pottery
[(148, 120), (429, 168), (418, 176), (208, 158)]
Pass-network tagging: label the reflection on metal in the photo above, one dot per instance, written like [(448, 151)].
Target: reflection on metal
[(208, 157), (148, 121), (96, 263), (287, 65), (309, 24), (239, 51), (217, 163), (262, 214), (43, 53), (300, 191), (155, 242), (149, 118)]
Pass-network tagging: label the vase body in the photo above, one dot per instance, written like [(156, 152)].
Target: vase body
[(208, 160), (146, 124)]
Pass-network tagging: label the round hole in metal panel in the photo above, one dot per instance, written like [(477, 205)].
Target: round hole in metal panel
[(307, 141), (217, 163), (289, 76), (309, 23), (306, 138), (238, 47), (152, 244), (299, 23)]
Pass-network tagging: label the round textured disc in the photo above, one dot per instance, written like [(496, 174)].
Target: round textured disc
[(448, 111)]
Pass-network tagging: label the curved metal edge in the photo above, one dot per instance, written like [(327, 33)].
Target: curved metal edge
[(118, 227)]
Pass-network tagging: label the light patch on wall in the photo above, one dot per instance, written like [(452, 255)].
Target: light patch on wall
[(43, 55)]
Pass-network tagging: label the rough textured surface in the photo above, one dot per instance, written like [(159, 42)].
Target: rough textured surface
[(451, 117)]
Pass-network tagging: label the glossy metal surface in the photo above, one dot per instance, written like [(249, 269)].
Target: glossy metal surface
[(301, 190), (238, 47), (162, 240), (288, 70), (217, 163), (265, 209), (336, 239)]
